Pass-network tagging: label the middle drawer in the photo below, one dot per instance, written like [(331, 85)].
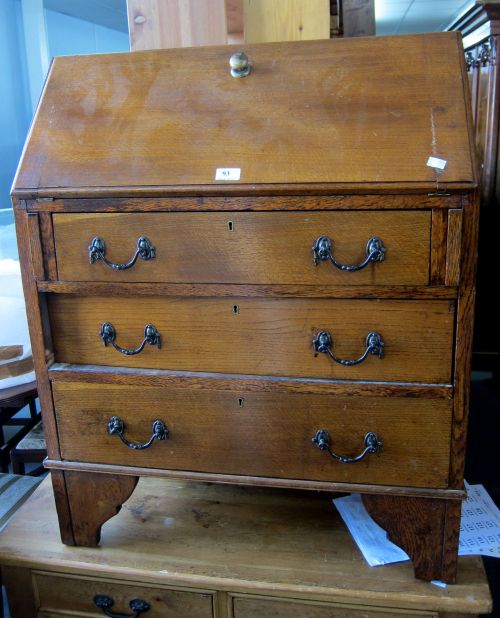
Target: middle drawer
[(390, 340)]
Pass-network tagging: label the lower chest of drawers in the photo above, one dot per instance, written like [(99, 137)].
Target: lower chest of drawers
[(333, 371)]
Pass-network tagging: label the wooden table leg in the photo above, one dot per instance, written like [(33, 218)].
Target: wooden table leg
[(427, 529), (19, 587), (85, 500)]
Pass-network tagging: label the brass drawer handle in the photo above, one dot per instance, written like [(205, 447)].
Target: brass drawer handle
[(138, 606), (116, 427), (323, 251), (373, 444), (97, 252), (323, 342), (108, 335), (240, 65)]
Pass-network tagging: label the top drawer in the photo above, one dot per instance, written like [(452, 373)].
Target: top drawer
[(245, 247)]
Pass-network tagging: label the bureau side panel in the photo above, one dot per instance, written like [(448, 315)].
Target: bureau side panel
[(38, 322), (464, 333)]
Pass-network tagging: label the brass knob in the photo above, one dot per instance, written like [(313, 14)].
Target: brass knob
[(240, 67)]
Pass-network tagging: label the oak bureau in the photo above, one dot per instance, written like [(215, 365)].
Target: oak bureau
[(256, 266)]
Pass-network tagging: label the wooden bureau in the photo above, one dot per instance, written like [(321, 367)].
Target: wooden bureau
[(305, 322)]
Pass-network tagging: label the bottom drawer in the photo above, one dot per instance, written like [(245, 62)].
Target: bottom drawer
[(271, 608), (75, 595), (257, 433)]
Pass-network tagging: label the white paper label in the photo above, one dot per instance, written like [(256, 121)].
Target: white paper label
[(436, 163), (228, 173)]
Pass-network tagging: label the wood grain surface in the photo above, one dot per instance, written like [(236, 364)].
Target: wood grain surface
[(260, 336), (275, 608), (463, 342), (439, 229), (259, 434), (255, 248), (306, 201), (255, 481), (99, 374), (170, 118), (454, 256), (102, 288)]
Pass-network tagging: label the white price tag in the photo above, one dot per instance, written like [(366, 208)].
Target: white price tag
[(228, 173), (438, 164)]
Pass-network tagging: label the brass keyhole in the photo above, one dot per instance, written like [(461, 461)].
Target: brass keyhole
[(230, 226), (241, 402), (236, 309)]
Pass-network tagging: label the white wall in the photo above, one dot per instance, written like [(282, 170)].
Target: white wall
[(69, 36), (21, 79), (15, 111)]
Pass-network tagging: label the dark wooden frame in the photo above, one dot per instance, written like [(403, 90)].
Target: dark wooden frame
[(479, 25)]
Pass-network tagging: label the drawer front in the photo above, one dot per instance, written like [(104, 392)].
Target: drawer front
[(251, 248), (75, 594), (283, 608), (257, 433), (260, 336)]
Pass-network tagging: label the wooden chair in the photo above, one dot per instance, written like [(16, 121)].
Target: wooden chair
[(31, 449), (12, 400)]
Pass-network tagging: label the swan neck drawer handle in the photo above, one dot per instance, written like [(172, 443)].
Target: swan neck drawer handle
[(323, 342), (108, 336), (116, 427), (372, 444), (138, 606), (97, 252), (323, 251)]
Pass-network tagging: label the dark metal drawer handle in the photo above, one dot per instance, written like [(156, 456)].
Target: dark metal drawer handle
[(373, 444), (138, 606), (97, 251), (151, 337), (323, 342), (323, 251), (116, 427)]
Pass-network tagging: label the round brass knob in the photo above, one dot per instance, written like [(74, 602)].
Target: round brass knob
[(240, 66)]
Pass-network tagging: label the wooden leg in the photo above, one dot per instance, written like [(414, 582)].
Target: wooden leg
[(85, 500), (427, 529)]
